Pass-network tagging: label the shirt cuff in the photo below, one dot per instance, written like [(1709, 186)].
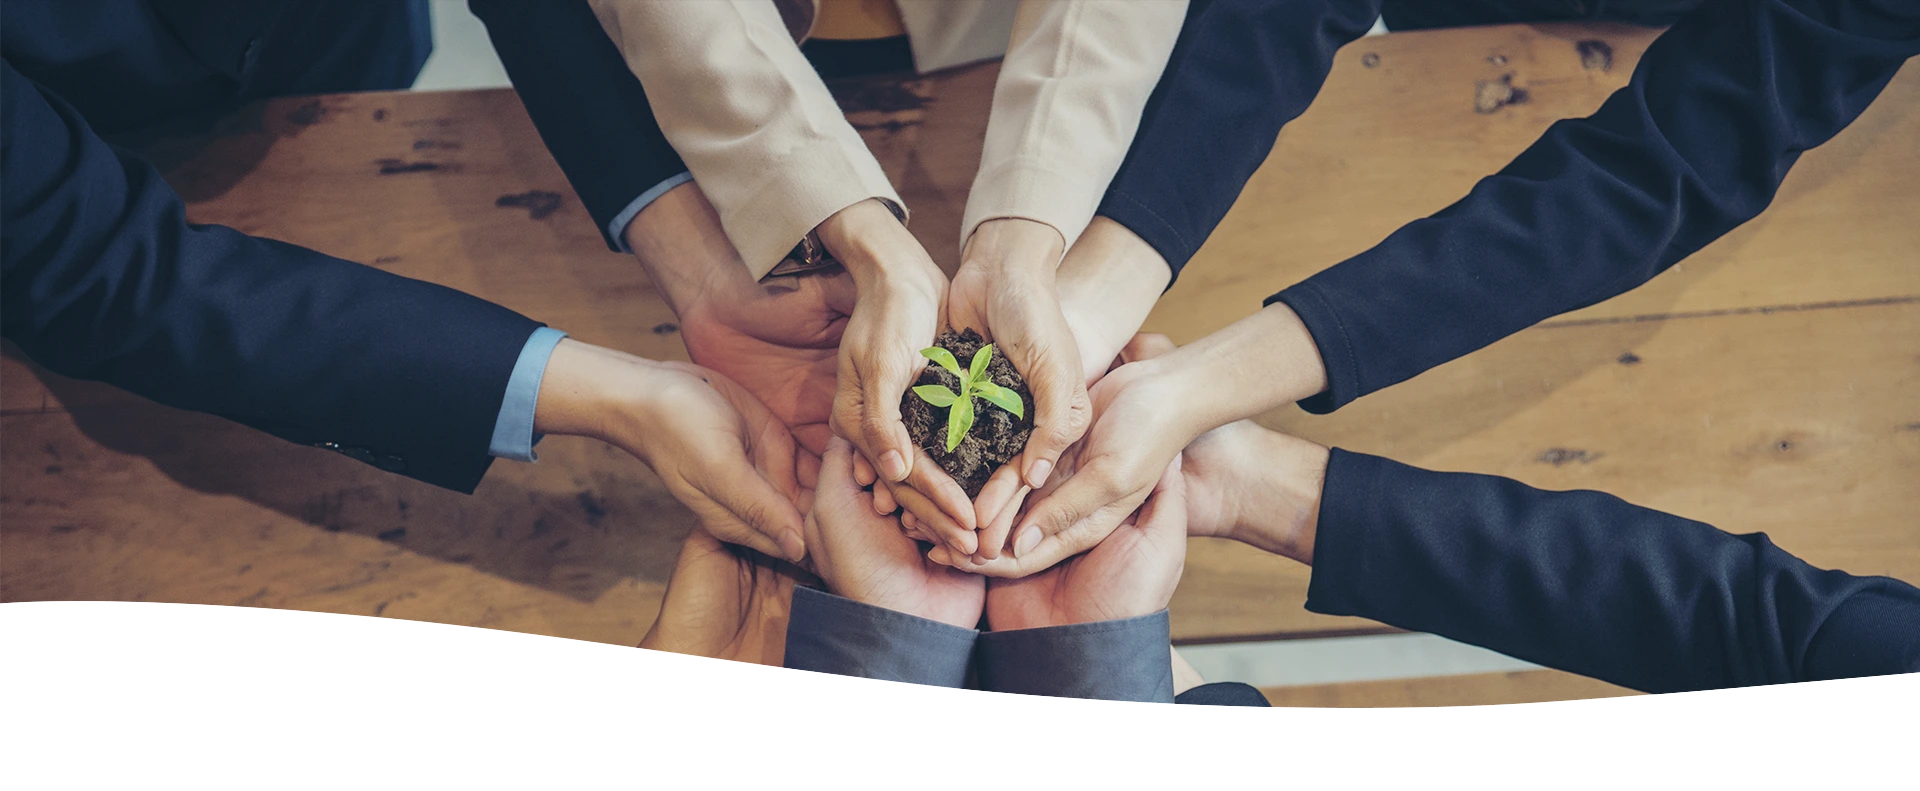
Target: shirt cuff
[(513, 431), (617, 227), (1128, 659), (831, 634)]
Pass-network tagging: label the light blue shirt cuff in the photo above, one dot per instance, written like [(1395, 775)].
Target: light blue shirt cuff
[(513, 431), (617, 228)]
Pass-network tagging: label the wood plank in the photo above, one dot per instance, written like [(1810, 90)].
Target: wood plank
[(578, 545), (1481, 689)]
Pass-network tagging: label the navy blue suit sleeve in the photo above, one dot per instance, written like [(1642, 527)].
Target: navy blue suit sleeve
[(833, 634), (105, 279), (1585, 582), (1125, 659), (590, 109), (1239, 71), (1697, 143)]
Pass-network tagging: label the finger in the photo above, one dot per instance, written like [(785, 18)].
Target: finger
[(1061, 417), (996, 494), (863, 471), (1146, 346), (941, 489), (883, 502), (888, 443), (807, 470), (993, 538), (774, 456), (931, 518), (1093, 501), (751, 507), (1165, 512)]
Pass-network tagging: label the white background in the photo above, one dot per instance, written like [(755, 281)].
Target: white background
[(127, 695)]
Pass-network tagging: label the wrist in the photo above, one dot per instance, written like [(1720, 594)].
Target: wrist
[(1014, 246), (1257, 364), (593, 391), (1278, 508), (1108, 284), (684, 250), (867, 239)]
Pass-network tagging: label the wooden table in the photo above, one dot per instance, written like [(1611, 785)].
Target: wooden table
[(1770, 382)]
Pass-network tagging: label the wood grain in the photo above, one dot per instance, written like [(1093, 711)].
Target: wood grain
[(1481, 689), (1768, 383)]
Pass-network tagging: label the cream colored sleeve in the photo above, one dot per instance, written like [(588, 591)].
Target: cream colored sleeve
[(1069, 97), (748, 114)]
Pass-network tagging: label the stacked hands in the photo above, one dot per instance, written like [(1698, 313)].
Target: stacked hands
[(788, 436)]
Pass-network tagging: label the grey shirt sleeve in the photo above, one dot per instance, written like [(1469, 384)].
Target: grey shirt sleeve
[(1128, 659), (831, 634)]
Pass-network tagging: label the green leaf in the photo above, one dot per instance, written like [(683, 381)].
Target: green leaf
[(978, 371), (936, 395), (1001, 397), (944, 358), (959, 420)]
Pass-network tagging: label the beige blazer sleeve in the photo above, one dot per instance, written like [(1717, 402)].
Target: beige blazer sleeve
[(1069, 98), (748, 114)]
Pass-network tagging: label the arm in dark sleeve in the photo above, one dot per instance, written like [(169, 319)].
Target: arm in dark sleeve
[(1697, 143), (831, 634), (1127, 659), (1585, 582), (105, 279), (590, 109), (1239, 71)]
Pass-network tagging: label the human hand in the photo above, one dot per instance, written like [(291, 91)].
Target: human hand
[(862, 555), (898, 311), (1131, 573), (778, 338), (1005, 290), (716, 448), (725, 602)]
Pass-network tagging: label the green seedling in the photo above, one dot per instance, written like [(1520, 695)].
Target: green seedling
[(973, 383)]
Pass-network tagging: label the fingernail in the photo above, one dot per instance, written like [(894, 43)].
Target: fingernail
[(893, 465), (1037, 474), (939, 555), (1029, 538)]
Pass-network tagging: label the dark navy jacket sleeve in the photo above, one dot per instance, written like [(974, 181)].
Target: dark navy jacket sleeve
[(1239, 71), (832, 634), (1585, 582), (103, 278), (590, 109), (1127, 659), (1718, 109)]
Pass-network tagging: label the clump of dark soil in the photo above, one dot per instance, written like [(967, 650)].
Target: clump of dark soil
[(996, 437)]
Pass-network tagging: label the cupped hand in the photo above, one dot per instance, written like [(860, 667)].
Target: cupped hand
[(1139, 428), (726, 602), (1130, 573), (778, 337), (862, 555), (898, 311), (1005, 290)]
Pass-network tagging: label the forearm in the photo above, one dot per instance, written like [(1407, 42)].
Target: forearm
[(1065, 107), (1256, 364), (1717, 111), (1584, 582), (753, 121), (1108, 284), (1241, 70)]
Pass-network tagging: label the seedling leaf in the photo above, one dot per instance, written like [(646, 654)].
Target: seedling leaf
[(959, 420), (944, 358), (978, 371), (936, 395), (1001, 397)]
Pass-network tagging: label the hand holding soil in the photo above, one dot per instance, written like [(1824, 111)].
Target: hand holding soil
[(996, 436)]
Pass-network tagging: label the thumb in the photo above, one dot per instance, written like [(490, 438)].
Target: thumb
[(1088, 501), (750, 511), (1062, 415)]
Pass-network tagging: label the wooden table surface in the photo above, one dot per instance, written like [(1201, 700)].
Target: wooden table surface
[(1771, 382)]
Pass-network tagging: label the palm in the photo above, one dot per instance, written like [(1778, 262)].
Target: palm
[(1120, 578), (781, 344)]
